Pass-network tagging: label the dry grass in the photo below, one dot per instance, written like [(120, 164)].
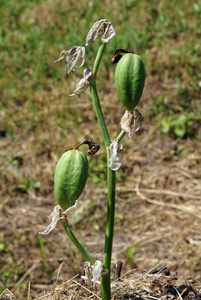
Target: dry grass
[(158, 283)]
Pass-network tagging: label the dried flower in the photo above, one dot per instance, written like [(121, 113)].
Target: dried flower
[(131, 122), (59, 215), (137, 120), (99, 27), (96, 271), (75, 57), (93, 272), (116, 154), (83, 83), (88, 273)]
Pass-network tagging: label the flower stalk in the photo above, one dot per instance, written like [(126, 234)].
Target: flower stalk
[(121, 135), (75, 241), (105, 280), (98, 59)]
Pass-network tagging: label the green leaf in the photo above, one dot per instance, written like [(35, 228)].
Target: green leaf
[(129, 253)]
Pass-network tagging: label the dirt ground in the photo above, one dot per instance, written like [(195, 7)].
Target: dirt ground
[(158, 212)]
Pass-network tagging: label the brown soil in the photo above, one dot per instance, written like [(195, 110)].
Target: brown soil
[(158, 211)]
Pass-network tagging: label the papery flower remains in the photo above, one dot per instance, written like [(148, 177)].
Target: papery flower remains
[(131, 122), (83, 83), (93, 272), (75, 57), (99, 27), (58, 215), (116, 154)]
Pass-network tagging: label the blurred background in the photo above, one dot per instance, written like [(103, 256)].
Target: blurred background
[(158, 214)]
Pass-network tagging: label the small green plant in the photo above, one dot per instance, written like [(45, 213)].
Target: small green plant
[(46, 265), (72, 168), (129, 253), (7, 274), (181, 125), (27, 184)]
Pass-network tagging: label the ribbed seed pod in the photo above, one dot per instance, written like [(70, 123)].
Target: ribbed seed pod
[(71, 175), (129, 80)]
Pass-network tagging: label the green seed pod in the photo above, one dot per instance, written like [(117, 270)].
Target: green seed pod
[(129, 80), (71, 175)]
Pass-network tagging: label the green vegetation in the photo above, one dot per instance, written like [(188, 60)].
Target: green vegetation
[(6, 274), (46, 266), (129, 253), (32, 34)]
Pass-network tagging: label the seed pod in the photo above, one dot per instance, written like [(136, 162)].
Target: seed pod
[(70, 177), (129, 80)]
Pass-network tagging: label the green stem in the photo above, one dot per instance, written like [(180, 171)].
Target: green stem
[(99, 113), (105, 280), (77, 243), (121, 135), (98, 58)]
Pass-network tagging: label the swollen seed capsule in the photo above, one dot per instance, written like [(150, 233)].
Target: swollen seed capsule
[(129, 80), (71, 175)]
